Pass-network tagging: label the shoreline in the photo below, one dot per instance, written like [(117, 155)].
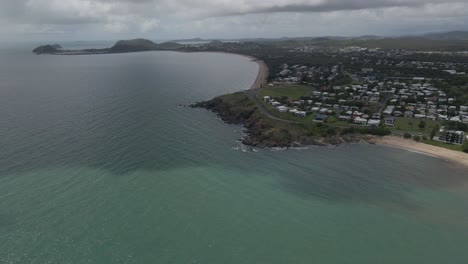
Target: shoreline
[(262, 76), (263, 70), (260, 81), (408, 144)]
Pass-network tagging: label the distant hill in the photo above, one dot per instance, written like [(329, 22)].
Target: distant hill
[(453, 35), (190, 40), (370, 37), (133, 45), (169, 46), (49, 49), (413, 43)]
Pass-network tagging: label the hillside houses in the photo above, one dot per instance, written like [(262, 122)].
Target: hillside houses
[(423, 101)]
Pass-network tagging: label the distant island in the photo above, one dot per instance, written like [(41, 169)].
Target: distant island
[(122, 46)]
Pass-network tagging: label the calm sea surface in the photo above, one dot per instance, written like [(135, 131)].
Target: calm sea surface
[(99, 163)]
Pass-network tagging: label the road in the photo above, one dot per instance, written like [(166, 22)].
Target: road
[(252, 94)]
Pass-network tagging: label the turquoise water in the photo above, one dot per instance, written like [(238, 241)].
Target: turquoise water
[(100, 163)]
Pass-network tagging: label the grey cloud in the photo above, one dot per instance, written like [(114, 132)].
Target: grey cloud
[(330, 6), (236, 18)]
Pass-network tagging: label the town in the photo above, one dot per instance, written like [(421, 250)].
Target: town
[(403, 104)]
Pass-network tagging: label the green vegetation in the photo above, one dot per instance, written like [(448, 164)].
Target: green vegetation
[(290, 92), (407, 135), (443, 145), (465, 147), (456, 87), (451, 125), (342, 80), (268, 132), (434, 131), (376, 131), (422, 124), (416, 125)]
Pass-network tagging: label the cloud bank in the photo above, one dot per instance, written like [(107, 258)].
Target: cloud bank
[(91, 19)]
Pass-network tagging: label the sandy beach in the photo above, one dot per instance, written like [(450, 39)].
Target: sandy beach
[(409, 144), (262, 77)]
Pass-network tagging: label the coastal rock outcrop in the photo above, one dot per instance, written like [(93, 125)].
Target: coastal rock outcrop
[(264, 132)]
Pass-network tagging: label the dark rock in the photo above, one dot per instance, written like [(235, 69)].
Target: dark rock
[(48, 49)]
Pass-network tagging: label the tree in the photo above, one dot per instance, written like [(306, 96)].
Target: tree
[(331, 132), (417, 138), (422, 124), (465, 146), (407, 135), (434, 131)]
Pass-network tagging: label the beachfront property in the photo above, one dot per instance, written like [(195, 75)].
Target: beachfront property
[(451, 136)]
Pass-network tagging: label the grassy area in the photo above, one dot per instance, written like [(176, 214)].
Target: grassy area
[(291, 92), (269, 131), (412, 125), (443, 145), (265, 131)]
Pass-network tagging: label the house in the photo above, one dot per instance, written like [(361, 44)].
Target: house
[(465, 119), (360, 121), (409, 114), (373, 122), (451, 71), (443, 117), (266, 98), (344, 118), (275, 104), (452, 137), (390, 121), (300, 113), (282, 109), (320, 118), (389, 110)]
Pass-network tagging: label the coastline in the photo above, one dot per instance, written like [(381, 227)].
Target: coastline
[(263, 70), (411, 145), (262, 76)]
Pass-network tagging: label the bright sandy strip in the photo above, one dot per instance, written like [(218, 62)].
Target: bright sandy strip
[(262, 76), (409, 144)]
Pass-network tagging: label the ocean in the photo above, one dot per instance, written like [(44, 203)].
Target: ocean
[(101, 161)]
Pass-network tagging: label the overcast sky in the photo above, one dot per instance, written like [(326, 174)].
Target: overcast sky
[(169, 19)]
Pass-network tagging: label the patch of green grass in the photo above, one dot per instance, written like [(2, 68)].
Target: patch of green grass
[(443, 145), (412, 125), (291, 92)]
